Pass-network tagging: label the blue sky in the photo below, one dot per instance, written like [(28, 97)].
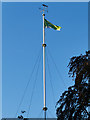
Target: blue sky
[(22, 42)]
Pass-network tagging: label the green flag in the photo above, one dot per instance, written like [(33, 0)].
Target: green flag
[(47, 24)]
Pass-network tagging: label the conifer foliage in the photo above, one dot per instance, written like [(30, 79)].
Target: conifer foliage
[(74, 103)]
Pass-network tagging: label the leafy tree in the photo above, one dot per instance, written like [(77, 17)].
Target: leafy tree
[(74, 103)]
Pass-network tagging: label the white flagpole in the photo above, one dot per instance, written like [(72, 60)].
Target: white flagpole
[(44, 62), (44, 75)]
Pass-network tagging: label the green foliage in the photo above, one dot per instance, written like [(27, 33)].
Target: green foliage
[(78, 68), (73, 104)]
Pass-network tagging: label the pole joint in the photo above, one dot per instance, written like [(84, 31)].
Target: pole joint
[(45, 108), (44, 45)]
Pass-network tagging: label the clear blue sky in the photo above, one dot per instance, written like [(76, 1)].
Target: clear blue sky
[(22, 41)]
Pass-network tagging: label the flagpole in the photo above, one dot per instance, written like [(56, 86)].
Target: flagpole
[(44, 75)]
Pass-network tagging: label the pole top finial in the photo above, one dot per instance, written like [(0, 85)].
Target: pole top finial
[(44, 5), (44, 8)]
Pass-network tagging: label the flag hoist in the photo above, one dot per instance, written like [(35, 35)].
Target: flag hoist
[(46, 24)]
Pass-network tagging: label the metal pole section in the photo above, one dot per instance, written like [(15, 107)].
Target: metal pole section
[(44, 82), (44, 62)]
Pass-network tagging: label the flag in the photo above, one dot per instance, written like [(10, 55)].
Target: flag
[(47, 24)]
